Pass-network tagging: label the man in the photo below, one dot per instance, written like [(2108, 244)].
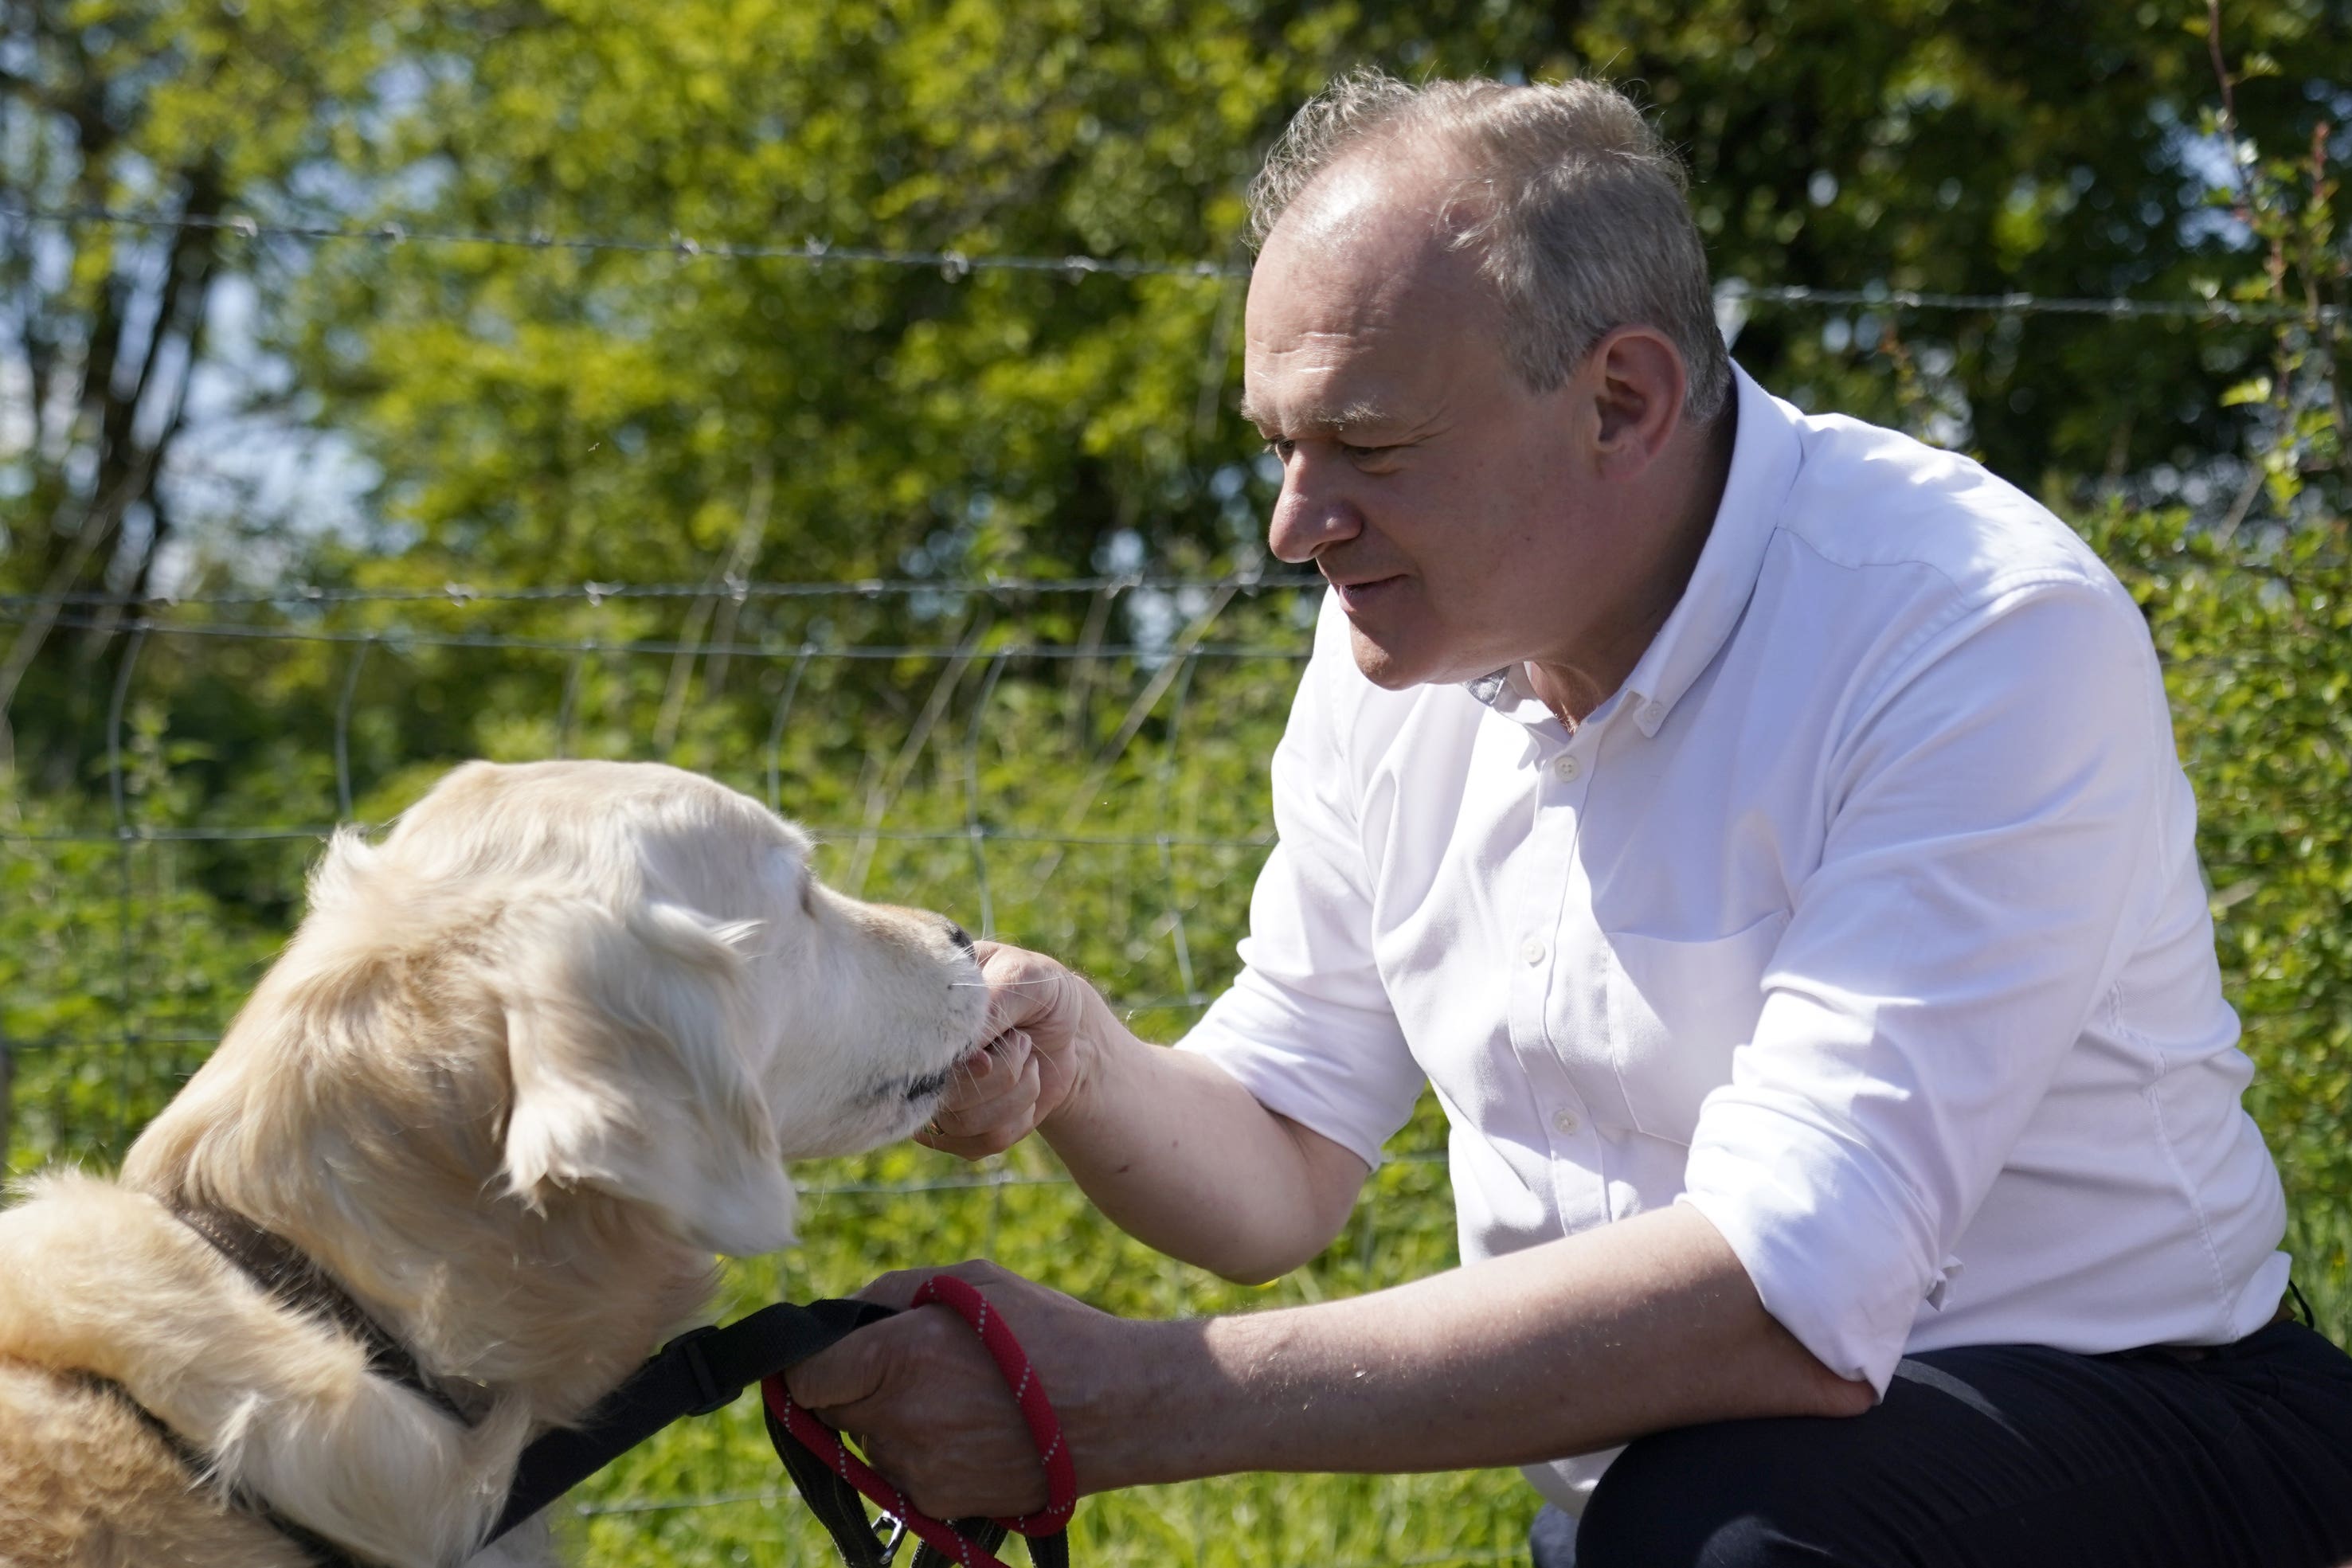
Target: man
[(1764, 832)]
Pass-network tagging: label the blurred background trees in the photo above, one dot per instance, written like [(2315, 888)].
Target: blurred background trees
[(560, 413)]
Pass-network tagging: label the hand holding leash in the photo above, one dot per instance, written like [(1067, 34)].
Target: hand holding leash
[(790, 1423)]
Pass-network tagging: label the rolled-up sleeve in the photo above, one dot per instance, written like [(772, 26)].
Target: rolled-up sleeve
[(1994, 818), (1307, 1027)]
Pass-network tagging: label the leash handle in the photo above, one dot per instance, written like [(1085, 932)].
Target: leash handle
[(1028, 1393)]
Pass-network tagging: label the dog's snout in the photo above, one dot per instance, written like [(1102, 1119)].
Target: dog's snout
[(960, 937)]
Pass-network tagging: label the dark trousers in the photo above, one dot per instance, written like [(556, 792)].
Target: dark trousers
[(2006, 1456)]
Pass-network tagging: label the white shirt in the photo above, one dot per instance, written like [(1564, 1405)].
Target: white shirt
[(1866, 917)]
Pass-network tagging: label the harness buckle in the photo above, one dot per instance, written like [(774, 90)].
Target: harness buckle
[(713, 1395)]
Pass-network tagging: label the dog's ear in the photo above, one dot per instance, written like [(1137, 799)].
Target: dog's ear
[(630, 1038)]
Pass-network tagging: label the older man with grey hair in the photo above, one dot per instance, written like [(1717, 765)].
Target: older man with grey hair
[(1764, 833)]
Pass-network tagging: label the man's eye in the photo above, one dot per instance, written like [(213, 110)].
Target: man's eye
[(1282, 449)]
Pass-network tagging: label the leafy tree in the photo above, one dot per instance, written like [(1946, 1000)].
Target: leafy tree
[(117, 392), (613, 414)]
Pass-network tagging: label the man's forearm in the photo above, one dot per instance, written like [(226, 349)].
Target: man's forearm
[(1183, 1157), (1564, 1349)]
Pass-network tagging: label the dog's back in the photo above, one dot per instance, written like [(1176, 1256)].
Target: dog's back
[(85, 1483)]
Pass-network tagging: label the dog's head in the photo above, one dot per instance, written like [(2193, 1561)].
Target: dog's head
[(669, 1003)]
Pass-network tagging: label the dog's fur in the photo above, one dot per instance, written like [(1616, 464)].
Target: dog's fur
[(524, 1068)]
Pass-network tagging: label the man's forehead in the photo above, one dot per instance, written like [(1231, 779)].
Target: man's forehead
[(1359, 229), (1361, 200), (1346, 307)]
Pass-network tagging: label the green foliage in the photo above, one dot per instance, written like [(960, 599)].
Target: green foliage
[(2287, 207), (570, 413), (1045, 766), (2252, 635)]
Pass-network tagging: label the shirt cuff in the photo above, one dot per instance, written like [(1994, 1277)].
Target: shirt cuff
[(1822, 1229), (1332, 1075)]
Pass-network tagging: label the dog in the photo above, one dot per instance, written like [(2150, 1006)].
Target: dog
[(523, 1069)]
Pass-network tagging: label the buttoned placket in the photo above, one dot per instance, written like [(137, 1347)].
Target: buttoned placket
[(1553, 880)]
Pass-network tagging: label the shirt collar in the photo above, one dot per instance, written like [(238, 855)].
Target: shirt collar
[(1766, 454)]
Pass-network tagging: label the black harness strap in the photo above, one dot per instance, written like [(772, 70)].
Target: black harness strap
[(835, 1502), (693, 1375)]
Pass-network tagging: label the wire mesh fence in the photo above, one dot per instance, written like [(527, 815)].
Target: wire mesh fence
[(1070, 763), (956, 265)]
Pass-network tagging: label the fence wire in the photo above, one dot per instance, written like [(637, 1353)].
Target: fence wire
[(956, 264)]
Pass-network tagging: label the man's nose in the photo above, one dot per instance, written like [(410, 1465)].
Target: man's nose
[(1310, 515)]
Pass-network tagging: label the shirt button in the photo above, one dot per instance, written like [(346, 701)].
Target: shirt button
[(1653, 712), (1566, 767), (1532, 950), (1566, 1122)]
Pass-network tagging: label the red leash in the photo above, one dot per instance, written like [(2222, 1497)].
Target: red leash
[(1028, 1392)]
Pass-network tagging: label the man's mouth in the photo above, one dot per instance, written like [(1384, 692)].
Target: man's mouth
[(1363, 593)]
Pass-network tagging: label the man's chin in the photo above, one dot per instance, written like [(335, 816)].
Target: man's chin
[(1392, 666)]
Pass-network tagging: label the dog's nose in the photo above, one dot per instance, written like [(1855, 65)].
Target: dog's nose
[(960, 937)]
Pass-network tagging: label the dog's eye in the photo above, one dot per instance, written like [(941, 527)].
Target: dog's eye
[(808, 892)]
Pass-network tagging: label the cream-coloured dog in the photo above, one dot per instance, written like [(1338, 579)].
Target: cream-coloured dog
[(525, 1067)]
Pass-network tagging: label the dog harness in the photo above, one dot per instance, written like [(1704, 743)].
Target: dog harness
[(701, 1371)]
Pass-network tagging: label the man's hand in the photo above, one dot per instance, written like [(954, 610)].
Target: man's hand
[(929, 1407), (1043, 1021), (1168, 1144)]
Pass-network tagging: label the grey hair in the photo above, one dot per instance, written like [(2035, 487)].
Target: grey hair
[(1575, 203)]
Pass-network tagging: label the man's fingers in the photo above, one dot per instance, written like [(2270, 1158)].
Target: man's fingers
[(838, 1376), (989, 1074), (894, 1290), (977, 1271), (1020, 987), (992, 1115)]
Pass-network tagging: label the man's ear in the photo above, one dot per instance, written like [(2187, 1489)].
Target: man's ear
[(629, 1041), (1638, 383)]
